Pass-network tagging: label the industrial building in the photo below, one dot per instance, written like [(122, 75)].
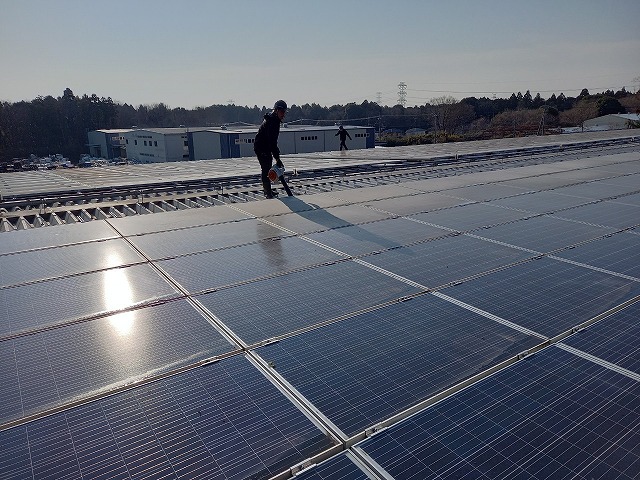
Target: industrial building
[(158, 145), (107, 143), (614, 121)]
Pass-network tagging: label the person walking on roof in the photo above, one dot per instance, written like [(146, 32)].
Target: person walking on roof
[(266, 144), (343, 137)]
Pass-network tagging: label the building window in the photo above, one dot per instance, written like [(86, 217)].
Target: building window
[(186, 143), (145, 143), (155, 143), (136, 142)]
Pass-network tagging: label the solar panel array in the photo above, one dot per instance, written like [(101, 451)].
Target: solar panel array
[(474, 326)]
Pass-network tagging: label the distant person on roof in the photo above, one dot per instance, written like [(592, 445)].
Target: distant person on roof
[(266, 144), (343, 137)]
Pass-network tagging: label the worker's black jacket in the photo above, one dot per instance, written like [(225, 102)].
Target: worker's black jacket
[(267, 137)]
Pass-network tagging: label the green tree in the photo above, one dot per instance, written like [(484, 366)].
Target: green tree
[(607, 105)]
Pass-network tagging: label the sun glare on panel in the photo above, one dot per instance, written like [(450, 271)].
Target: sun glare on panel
[(117, 295)]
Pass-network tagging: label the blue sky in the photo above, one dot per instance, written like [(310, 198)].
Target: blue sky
[(193, 53)]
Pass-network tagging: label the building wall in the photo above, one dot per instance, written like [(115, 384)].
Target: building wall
[(108, 144), (205, 145), (611, 121), (172, 145), (146, 146)]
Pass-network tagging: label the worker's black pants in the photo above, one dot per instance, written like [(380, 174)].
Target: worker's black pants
[(266, 161)]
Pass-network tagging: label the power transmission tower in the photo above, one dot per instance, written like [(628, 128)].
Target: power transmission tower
[(402, 94), (378, 97)]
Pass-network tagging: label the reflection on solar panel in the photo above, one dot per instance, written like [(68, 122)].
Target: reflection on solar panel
[(229, 266), (54, 366), (472, 319), (553, 415)]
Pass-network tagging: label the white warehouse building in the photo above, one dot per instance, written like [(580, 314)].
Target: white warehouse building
[(155, 145), (232, 143)]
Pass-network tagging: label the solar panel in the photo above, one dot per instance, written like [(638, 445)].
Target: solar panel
[(38, 305), (424, 202), (223, 420), (228, 266), (552, 415), (609, 214), (21, 240), (340, 467), (159, 222), (443, 260), (375, 236), (197, 239), (367, 368), (615, 339), (35, 265), (618, 253), (598, 190), (480, 193), (540, 202), (276, 306), (470, 217), (546, 296), (316, 220), (629, 199), (55, 366), (544, 233)]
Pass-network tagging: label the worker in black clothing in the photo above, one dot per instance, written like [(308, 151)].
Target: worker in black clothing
[(266, 144), (343, 137)]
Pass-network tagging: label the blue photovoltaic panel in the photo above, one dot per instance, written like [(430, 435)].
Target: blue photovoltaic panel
[(470, 217), (550, 416), (598, 190), (159, 222), (37, 265), (411, 204), (376, 236), (319, 219), (546, 295), (443, 260), (540, 202), (543, 234), (630, 199), (618, 253), (209, 237), (339, 467), (276, 306), (49, 368), (609, 214), (238, 264), (615, 339), (220, 421), (21, 240), (367, 368), (482, 193), (66, 299)]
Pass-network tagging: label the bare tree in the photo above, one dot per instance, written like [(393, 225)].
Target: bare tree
[(450, 115)]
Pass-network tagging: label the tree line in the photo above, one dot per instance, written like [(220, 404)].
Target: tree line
[(49, 125)]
